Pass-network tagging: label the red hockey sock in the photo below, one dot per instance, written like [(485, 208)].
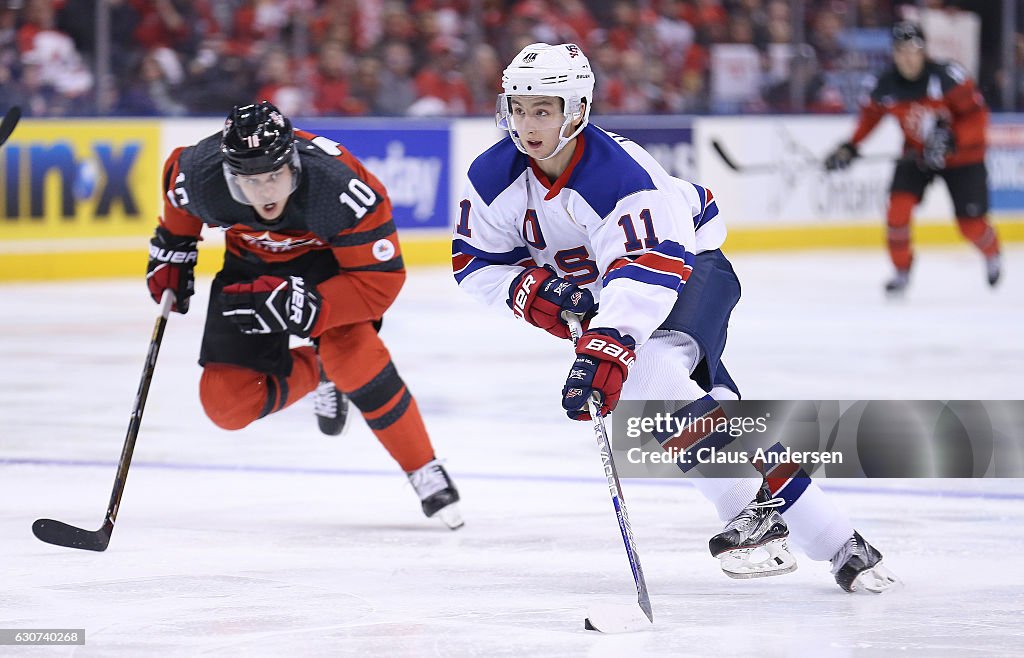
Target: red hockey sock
[(981, 233), (901, 205), (359, 364)]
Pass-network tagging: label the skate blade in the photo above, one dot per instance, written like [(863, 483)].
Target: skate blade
[(737, 564), (450, 516), (876, 580)]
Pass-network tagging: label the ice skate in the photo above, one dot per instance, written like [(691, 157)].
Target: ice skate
[(993, 269), (759, 527), (897, 285), (330, 406), (437, 493), (857, 566)]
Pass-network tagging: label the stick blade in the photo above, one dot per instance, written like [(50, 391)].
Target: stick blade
[(59, 533), (609, 618)]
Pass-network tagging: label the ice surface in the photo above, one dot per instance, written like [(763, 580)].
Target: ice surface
[(277, 539)]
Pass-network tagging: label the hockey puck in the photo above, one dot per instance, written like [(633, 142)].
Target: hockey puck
[(587, 625)]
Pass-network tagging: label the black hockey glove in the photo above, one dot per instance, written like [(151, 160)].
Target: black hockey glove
[(937, 146), (172, 259), (841, 158), (271, 305)]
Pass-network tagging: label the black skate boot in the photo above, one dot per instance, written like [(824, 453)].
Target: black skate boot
[(897, 285), (330, 406), (993, 269), (758, 526), (858, 565), (437, 493)]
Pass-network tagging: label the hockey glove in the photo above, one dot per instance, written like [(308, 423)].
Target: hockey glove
[(539, 297), (271, 305), (841, 158), (603, 359), (172, 259), (939, 144)]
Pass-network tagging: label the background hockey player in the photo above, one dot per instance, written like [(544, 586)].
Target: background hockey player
[(562, 215), (311, 251), (943, 118)]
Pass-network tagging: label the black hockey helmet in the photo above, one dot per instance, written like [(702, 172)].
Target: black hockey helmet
[(907, 32), (257, 139)]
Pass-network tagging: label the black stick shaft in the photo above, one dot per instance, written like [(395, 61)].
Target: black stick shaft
[(63, 534), (166, 302), (9, 122)]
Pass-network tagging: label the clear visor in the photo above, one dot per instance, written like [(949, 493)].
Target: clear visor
[(511, 116), (261, 189)]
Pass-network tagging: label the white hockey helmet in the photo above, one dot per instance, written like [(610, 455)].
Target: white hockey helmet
[(541, 69)]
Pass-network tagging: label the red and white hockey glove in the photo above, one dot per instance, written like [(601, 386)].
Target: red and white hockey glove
[(603, 360), (539, 297), (172, 261), (271, 305)]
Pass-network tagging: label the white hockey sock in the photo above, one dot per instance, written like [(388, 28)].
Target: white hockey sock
[(816, 525), (728, 495)]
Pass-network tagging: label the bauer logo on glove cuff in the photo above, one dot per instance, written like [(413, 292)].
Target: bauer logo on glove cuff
[(622, 355), (171, 255), (522, 296)]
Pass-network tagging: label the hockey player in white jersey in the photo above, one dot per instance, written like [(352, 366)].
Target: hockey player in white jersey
[(562, 216)]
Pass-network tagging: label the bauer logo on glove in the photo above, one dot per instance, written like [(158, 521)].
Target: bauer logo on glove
[(603, 360), (271, 304), (540, 297)]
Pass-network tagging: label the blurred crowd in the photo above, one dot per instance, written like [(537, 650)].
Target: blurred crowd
[(424, 57)]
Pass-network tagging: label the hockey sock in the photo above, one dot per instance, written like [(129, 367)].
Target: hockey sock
[(391, 412), (901, 205), (359, 364), (816, 525), (728, 495), (981, 233)]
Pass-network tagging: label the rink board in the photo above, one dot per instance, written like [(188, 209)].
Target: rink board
[(79, 199)]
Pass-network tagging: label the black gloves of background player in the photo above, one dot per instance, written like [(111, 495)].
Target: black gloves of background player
[(539, 297), (939, 144), (841, 158), (172, 259), (271, 305)]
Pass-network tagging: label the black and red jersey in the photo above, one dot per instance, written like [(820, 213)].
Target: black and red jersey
[(338, 206), (944, 91)]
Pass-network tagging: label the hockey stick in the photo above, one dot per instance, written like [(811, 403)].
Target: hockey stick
[(62, 534), (767, 167), (9, 122), (609, 622)]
